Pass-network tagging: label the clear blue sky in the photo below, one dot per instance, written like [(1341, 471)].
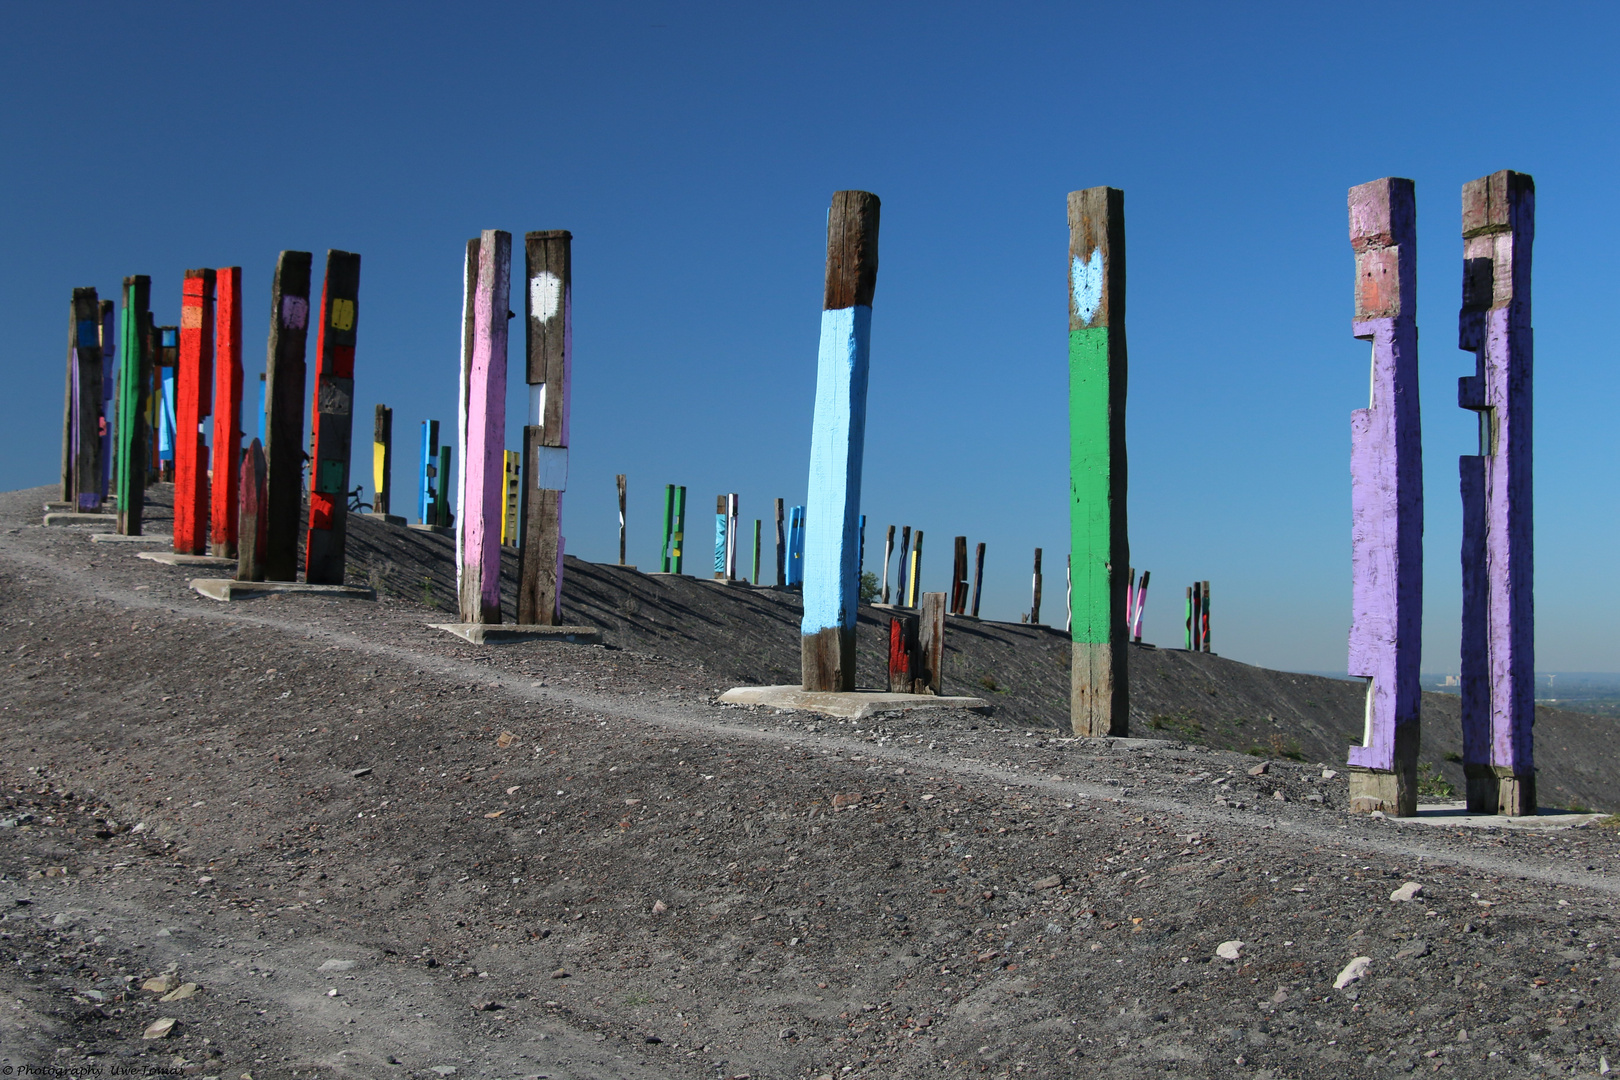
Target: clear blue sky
[(693, 149)]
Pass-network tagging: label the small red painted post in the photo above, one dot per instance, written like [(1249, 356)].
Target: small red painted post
[(227, 449), (333, 428), (902, 653), (193, 401), (252, 522)]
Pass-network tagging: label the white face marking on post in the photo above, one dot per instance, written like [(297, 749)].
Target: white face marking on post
[(1086, 280), (545, 295), (537, 403)]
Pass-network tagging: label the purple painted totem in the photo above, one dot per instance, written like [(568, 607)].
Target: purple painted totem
[(1386, 497), (1498, 616)]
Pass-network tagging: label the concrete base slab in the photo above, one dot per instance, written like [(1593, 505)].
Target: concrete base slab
[(854, 705), (444, 530), (145, 538), (1455, 815), (108, 506), (175, 558), (512, 633), (386, 519), (80, 519), (229, 589)]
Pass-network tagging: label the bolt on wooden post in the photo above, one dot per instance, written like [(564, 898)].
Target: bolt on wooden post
[(549, 303), (1099, 688), (382, 460), (227, 448), (333, 430), (1386, 502), (284, 414), (193, 402), (134, 385), (483, 426), (1498, 615)]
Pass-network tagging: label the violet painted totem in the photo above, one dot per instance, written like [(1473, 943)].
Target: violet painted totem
[(483, 425), (1386, 499), (837, 445), (1498, 615)]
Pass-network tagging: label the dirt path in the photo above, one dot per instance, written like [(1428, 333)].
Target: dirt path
[(287, 797)]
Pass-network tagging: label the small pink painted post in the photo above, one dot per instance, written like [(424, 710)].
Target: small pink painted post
[(483, 450), (1386, 500)]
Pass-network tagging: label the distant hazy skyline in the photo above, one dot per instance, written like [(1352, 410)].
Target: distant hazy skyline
[(693, 151)]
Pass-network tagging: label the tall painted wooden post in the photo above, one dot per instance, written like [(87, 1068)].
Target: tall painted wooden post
[(84, 403), (429, 469), (227, 448), (1141, 604), (1099, 688), (259, 431), (549, 303), (795, 554), (252, 525), (914, 574), (959, 577), (134, 385), (106, 410), (1189, 617), (1205, 637), (902, 569), (678, 537), (1498, 639), (733, 538), (1197, 618), (1035, 591), (758, 530), (441, 494), (1386, 502), (478, 531), (165, 377), (978, 577), (620, 480), (781, 546), (333, 429), (721, 521), (888, 554), (284, 414), (860, 548), (193, 402), (382, 460), (930, 642), (669, 526), (70, 404)]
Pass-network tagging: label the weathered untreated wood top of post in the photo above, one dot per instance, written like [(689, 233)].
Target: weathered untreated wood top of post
[(1097, 250), (547, 302), (852, 250)]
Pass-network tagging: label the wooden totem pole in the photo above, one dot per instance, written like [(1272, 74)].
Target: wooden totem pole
[(1099, 694)]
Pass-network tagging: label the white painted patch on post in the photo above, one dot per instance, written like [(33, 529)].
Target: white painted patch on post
[(537, 403), (1086, 280), (551, 468), (545, 295)]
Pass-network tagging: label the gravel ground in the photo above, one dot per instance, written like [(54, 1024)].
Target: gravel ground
[(375, 850)]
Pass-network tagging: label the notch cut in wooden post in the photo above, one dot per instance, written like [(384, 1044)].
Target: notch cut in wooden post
[(483, 425), (333, 429), (1386, 502), (1498, 615), (382, 460), (252, 524), (193, 403), (227, 449), (1099, 548), (931, 643), (284, 414), (548, 303), (837, 445), (134, 391)]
